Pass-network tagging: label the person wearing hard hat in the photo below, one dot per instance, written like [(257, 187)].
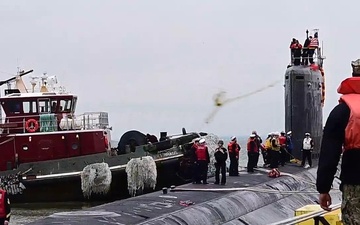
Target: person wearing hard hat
[(289, 145), (267, 148), (253, 153), (220, 164), (203, 160), (308, 146), (193, 160), (275, 151), (258, 143), (283, 151), (234, 150)]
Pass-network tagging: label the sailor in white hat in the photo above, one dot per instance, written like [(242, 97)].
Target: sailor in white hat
[(308, 146), (234, 150), (253, 153)]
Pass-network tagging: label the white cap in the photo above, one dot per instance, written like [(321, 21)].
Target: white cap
[(289, 132), (269, 133), (307, 134), (276, 133), (202, 140), (252, 135), (197, 139), (233, 138)]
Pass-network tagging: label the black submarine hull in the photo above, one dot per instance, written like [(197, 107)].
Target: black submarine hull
[(303, 108)]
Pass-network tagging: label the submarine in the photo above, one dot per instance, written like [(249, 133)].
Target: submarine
[(304, 100), (247, 199)]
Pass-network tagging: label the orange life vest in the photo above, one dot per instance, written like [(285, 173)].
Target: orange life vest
[(256, 148), (314, 43), (231, 150), (201, 153), (282, 140), (350, 88), (2, 204)]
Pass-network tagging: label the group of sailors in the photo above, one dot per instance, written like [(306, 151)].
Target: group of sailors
[(302, 54), (276, 150)]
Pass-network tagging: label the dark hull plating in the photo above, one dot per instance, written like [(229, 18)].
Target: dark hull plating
[(303, 110)]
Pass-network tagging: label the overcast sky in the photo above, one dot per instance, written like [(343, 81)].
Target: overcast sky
[(156, 65)]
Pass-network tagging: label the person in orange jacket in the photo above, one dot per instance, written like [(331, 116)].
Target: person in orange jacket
[(234, 150), (5, 209), (202, 161)]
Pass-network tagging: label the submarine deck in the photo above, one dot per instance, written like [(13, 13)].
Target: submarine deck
[(159, 208)]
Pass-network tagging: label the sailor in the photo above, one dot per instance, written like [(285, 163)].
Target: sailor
[(308, 146), (150, 138), (289, 145), (234, 150), (5, 209), (275, 149), (296, 50), (193, 161), (258, 143), (202, 159), (293, 41), (283, 152), (341, 129), (267, 147), (220, 164), (305, 53), (253, 153), (314, 44)]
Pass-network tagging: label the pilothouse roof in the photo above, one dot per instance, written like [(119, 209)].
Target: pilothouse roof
[(36, 94)]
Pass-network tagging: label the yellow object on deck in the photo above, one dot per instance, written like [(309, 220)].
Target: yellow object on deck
[(332, 218)]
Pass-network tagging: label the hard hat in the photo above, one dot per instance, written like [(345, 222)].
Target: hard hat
[(252, 135), (282, 132), (221, 142), (197, 139), (269, 134), (307, 134), (233, 138), (276, 133), (202, 140), (289, 132)]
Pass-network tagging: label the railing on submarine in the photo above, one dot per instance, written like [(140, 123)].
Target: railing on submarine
[(316, 216), (318, 57)]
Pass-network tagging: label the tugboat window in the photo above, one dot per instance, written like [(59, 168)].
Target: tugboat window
[(65, 105), (74, 105), (29, 107), (14, 107), (44, 106)]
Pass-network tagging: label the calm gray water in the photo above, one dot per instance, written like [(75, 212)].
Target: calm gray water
[(26, 213)]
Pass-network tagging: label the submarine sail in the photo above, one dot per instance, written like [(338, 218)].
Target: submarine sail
[(304, 98)]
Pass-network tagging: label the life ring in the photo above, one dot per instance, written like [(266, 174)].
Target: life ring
[(31, 125)]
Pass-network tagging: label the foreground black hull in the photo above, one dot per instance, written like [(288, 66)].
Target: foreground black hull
[(69, 188)]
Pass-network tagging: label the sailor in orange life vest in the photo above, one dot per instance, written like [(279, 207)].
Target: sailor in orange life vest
[(193, 159), (5, 209), (234, 149), (253, 153), (220, 157), (314, 44), (202, 160), (342, 128)]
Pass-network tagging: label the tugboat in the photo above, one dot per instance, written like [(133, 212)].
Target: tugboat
[(49, 154)]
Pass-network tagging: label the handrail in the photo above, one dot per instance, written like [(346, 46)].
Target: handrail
[(85, 121), (307, 216)]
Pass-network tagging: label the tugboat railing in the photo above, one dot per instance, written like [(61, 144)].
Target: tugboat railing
[(53, 122)]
